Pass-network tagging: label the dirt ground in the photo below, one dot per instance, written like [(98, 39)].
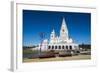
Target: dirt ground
[(78, 57)]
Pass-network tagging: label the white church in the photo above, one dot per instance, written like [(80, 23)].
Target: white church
[(62, 42)]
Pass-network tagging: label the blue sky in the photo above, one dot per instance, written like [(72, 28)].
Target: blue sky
[(35, 22)]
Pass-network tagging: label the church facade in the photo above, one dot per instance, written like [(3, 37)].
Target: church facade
[(62, 42)]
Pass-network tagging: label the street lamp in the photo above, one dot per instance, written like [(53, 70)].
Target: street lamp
[(42, 35)]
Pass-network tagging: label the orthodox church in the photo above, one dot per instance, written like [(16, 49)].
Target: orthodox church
[(62, 42)]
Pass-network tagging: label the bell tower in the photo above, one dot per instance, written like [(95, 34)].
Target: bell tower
[(52, 37)]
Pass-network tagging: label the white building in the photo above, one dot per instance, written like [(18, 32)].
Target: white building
[(62, 42)]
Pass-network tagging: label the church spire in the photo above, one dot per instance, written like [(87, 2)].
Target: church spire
[(64, 26), (53, 31), (64, 30)]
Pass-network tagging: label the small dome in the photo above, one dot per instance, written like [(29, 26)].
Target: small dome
[(45, 41), (70, 40)]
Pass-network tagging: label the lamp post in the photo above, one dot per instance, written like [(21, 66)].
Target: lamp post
[(42, 35)]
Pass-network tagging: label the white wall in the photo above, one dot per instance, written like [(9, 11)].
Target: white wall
[(5, 35)]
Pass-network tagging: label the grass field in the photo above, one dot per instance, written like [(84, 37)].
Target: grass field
[(78, 57)]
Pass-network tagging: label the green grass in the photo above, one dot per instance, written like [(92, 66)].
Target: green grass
[(30, 51)]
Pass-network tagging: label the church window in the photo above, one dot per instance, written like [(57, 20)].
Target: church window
[(52, 47), (66, 47), (70, 47), (63, 30), (62, 47), (59, 47), (55, 47), (49, 47)]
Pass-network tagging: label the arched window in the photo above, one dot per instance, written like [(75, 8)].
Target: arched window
[(52, 47), (66, 47), (63, 30), (55, 47), (49, 47), (70, 47), (62, 47), (59, 47)]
